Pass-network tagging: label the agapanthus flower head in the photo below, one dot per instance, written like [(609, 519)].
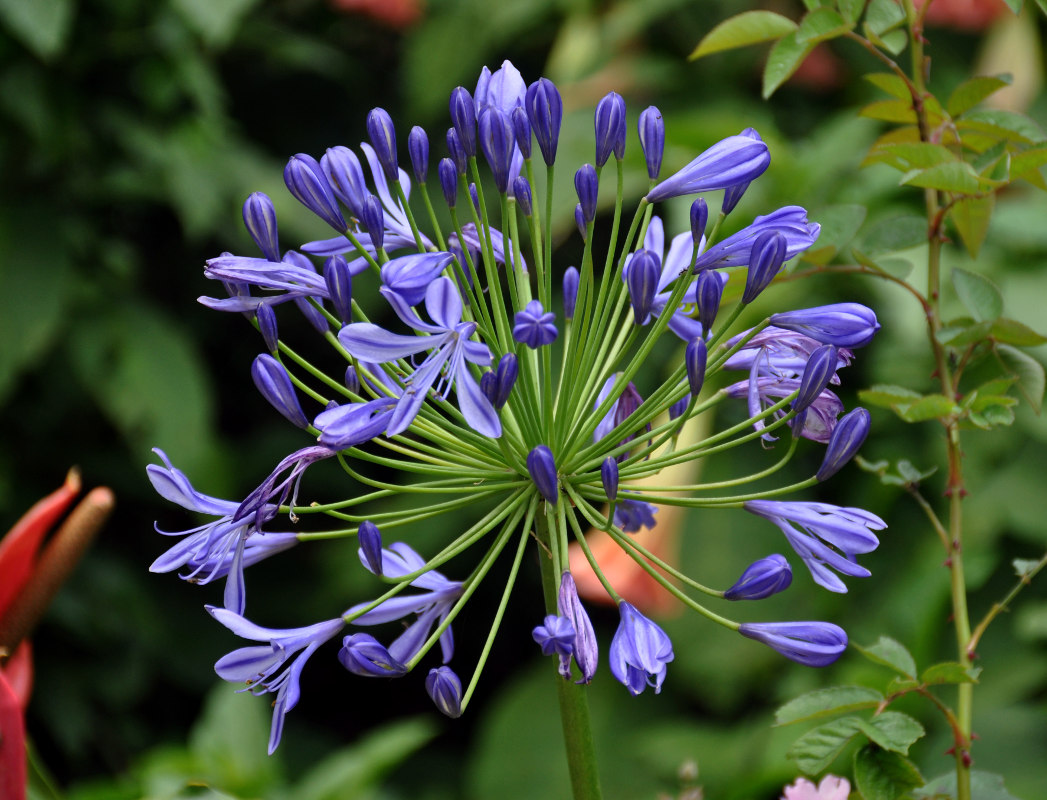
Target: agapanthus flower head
[(639, 652), (813, 644), (474, 399)]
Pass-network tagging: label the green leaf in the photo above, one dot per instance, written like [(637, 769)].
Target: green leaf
[(891, 84), (890, 111), (960, 333), (1026, 161), (971, 216), (893, 731), (355, 772), (784, 59), (906, 156), (215, 22), (979, 295), (884, 396), (1015, 5), (902, 685), (827, 702), (955, 176), (1008, 125), (1009, 331), (984, 786), (949, 672), (851, 9), (1027, 370), (894, 234), (751, 27), (914, 475), (41, 25), (890, 653), (839, 225), (883, 16), (817, 749), (931, 406), (971, 92), (883, 775), (821, 25), (894, 42)]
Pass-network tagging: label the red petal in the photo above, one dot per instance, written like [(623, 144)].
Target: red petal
[(19, 546), (12, 743)]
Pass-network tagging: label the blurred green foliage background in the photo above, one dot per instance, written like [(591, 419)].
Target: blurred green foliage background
[(132, 131)]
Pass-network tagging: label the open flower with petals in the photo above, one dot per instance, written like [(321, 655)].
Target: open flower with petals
[(274, 667), (831, 787), (825, 536), (451, 352), (639, 651)]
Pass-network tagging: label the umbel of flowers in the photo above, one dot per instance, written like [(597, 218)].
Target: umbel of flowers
[(503, 388)]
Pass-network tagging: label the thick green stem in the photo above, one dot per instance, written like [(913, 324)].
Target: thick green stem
[(574, 701)]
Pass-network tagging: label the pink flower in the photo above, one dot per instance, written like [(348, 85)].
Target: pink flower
[(831, 788)]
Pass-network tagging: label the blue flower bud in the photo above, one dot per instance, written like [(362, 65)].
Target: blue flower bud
[(345, 176), (676, 409), (475, 197), (545, 113), (609, 476), (521, 131), (587, 185), (542, 467), (762, 579), (382, 134), (570, 292), (708, 292), (534, 326), (522, 193), (274, 384), (846, 439), (768, 255), (732, 194), (508, 369), (695, 358), (445, 689), (463, 117), (418, 150), (585, 649), (373, 217), (267, 327), (370, 539), (305, 180), (556, 636), (651, 128), (817, 373), (579, 221), (610, 128), (841, 324), (260, 221), (448, 181), (352, 379), (364, 655), (313, 315), (813, 644), (699, 219), (340, 286), (731, 161), (641, 278), (496, 140), (458, 154)]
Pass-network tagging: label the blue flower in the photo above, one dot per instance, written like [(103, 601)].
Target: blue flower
[(450, 353), (761, 579), (639, 651), (813, 644), (534, 326), (430, 607), (555, 636), (445, 689), (275, 666), (584, 649), (847, 437), (731, 161), (841, 324), (736, 250), (825, 536), (632, 515)]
